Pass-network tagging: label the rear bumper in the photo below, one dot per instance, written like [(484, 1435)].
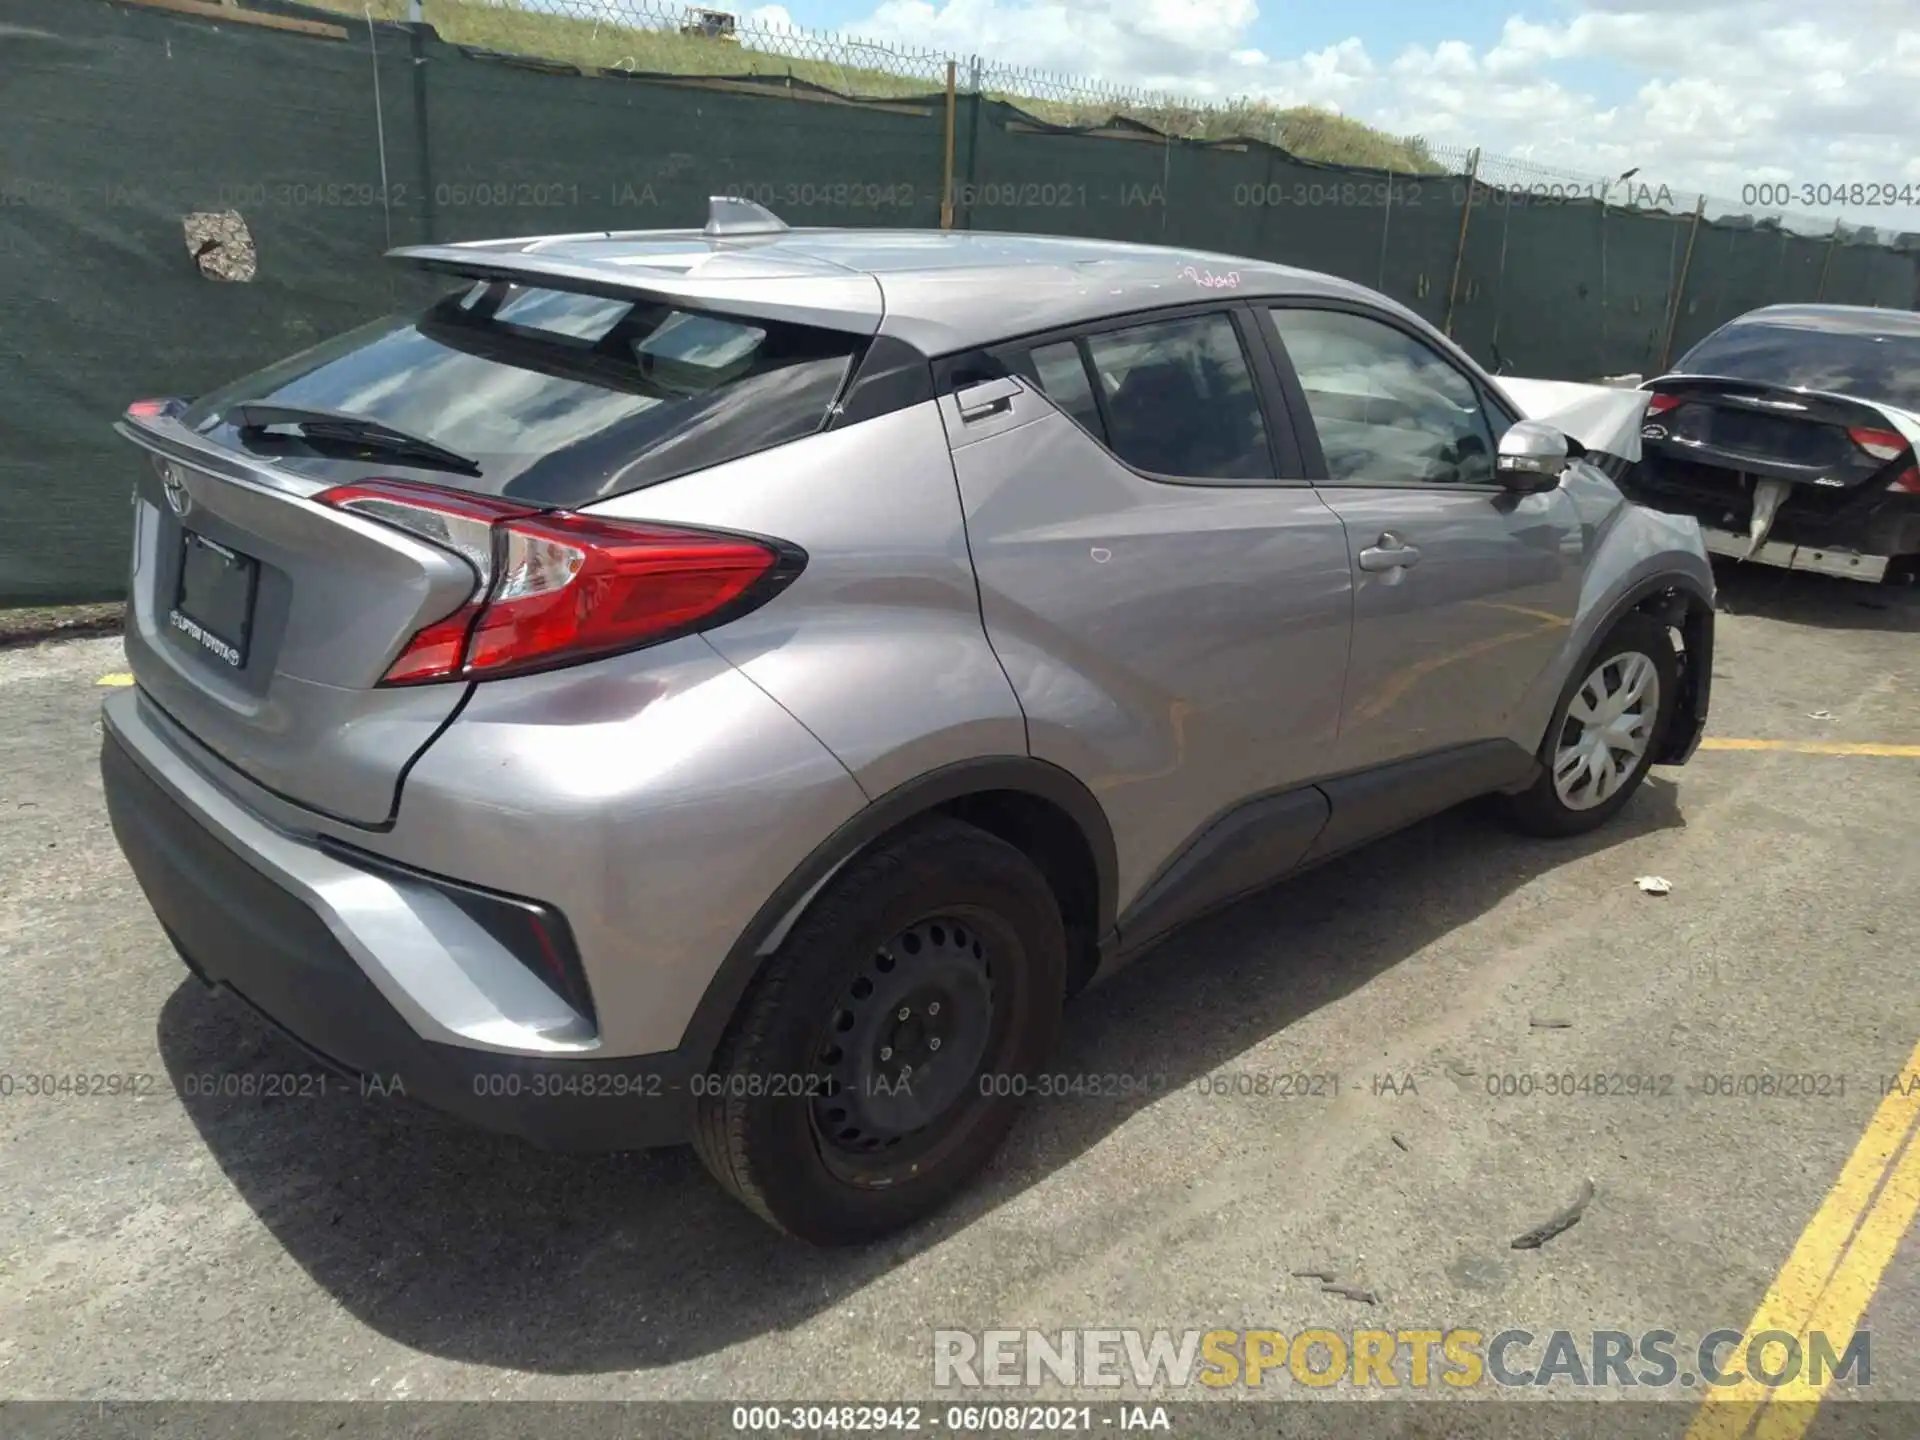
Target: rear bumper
[(1852, 533), (239, 927), (1849, 564)]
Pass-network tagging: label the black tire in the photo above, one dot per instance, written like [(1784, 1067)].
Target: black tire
[(761, 1123), (1539, 810)]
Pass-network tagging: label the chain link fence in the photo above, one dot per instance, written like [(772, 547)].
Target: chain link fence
[(643, 37), (652, 37), (1630, 190)]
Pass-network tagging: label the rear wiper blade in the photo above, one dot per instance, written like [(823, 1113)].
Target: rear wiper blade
[(358, 429)]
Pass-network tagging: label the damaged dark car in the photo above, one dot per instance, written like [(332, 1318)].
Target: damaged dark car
[(1790, 435)]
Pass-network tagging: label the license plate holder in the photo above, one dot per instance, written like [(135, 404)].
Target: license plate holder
[(212, 609)]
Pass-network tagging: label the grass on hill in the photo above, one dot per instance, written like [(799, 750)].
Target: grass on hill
[(596, 44)]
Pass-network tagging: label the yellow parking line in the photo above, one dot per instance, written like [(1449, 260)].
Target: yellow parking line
[(1830, 1278), (120, 678), (1813, 747)]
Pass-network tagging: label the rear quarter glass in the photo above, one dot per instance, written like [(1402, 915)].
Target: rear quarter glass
[(561, 398)]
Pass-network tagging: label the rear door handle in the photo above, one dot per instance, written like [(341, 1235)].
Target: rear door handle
[(1388, 553), (990, 397)]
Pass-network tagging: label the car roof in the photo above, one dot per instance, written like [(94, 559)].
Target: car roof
[(940, 291), (1835, 319)]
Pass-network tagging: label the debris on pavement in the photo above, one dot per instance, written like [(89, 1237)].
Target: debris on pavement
[(1328, 1285), (1549, 1022), (1348, 1292), (1654, 885), (1565, 1220), (1821, 715), (1401, 1143)]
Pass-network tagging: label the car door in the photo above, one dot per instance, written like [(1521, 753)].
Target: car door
[(1464, 591), (1169, 597)]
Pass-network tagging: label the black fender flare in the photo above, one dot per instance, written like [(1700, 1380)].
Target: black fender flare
[(919, 796), (1696, 681)]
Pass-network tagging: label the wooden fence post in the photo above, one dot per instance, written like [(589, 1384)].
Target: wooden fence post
[(1826, 263), (946, 178), (1680, 290), (1460, 248)]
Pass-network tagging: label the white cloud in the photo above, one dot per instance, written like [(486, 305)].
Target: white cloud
[(1720, 95)]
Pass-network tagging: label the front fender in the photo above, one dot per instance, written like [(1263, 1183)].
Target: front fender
[(1636, 559)]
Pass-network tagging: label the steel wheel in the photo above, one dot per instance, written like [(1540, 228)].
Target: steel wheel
[(903, 1047), (1607, 730), (805, 1133)]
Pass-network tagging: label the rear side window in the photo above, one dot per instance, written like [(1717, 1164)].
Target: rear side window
[(1179, 399), (1844, 354), (1063, 379), (559, 397)]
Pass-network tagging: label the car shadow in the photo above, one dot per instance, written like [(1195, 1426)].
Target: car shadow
[(480, 1249), (1799, 597)]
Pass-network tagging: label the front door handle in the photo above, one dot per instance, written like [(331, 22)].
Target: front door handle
[(1388, 553)]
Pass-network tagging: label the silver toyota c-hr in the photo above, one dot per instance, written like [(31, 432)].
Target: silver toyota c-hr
[(734, 685)]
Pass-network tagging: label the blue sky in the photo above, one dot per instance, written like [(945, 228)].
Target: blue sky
[(1294, 27)]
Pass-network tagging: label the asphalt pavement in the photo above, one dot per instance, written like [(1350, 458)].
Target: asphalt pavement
[(1445, 992)]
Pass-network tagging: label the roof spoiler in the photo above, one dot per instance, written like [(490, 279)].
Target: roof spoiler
[(728, 216), (739, 283)]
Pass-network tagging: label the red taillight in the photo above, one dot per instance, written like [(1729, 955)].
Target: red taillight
[(436, 652), (147, 409), (556, 587), (1660, 404), (576, 585), (1880, 444), (1907, 482)]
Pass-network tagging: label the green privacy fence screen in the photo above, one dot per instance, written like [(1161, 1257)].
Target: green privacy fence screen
[(332, 140)]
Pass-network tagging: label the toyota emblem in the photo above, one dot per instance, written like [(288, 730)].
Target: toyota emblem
[(178, 498)]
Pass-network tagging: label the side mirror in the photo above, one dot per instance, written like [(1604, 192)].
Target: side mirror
[(1533, 456)]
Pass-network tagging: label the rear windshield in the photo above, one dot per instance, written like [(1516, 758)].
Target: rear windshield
[(1845, 355), (557, 397)]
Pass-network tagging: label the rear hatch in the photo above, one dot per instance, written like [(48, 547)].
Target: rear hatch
[(262, 622), (1828, 441), (270, 622)]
